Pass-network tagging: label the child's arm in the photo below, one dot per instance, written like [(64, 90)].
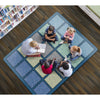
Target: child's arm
[(53, 35), (48, 38), (72, 37)]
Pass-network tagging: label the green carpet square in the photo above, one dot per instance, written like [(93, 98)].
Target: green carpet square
[(39, 70), (42, 30), (77, 61), (57, 42), (53, 79), (64, 50), (33, 60), (19, 49)]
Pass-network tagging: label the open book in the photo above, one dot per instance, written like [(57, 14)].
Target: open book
[(42, 48)]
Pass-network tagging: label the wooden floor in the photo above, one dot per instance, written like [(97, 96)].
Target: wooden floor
[(84, 81)]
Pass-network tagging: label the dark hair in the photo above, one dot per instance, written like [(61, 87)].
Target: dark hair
[(65, 65), (51, 28), (46, 64)]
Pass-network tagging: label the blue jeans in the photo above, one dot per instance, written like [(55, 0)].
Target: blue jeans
[(44, 39), (63, 38)]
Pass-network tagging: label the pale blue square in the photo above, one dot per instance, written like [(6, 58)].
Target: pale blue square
[(32, 79), (42, 88), (23, 68), (86, 49), (56, 21), (77, 39), (14, 58), (63, 29)]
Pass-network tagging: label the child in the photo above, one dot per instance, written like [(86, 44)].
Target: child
[(68, 36), (65, 68), (30, 47), (47, 65), (50, 35), (75, 52)]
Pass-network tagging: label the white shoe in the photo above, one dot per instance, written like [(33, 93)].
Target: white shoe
[(65, 58), (61, 42)]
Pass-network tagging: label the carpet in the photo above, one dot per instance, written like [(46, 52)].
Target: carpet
[(28, 69)]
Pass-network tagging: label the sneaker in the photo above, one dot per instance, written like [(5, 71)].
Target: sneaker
[(61, 42), (65, 58)]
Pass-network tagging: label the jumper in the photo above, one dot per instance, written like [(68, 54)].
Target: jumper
[(47, 70), (71, 36)]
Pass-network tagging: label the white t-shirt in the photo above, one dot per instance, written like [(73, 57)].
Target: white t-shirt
[(26, 48), (68, 72)]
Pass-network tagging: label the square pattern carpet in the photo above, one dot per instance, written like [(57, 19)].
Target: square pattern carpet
[(28, 69)]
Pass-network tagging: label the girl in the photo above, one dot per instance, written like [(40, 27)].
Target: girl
[(47, 65), (75, 52), (68, 36)]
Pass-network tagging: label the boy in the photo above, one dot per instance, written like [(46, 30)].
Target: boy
[(50, 35)]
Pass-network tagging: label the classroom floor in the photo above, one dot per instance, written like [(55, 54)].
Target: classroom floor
[(85, 81)]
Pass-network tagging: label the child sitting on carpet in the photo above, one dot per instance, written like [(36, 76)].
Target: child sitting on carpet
[(50, 34), (30, 48), (68, 36), (65, 68), (48, 65), (75, 52)]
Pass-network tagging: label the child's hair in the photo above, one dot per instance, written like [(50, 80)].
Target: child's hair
[(51, 28), (33, 44), (65, 65), (46, 64), (76, 48), (71, 29)]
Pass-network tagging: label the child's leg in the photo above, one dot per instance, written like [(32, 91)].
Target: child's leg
[(72, 59), (56, 38), (62, 38)]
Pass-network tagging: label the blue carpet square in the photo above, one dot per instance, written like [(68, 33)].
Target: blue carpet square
[(86, 49), (63, 29), (14, 58), (77, 39), (23, 68), (42, 88), (56, 21), (32, 79)]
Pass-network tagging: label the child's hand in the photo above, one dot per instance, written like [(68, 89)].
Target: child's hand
[(37, 47), (54, 58)]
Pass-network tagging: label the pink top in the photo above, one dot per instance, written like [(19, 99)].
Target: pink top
[(71, 36), (48, 70)]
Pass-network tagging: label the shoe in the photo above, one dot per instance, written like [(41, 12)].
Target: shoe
[(65, 58), (54, 42), (61, 42)]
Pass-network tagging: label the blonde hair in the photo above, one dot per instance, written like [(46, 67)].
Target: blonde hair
[(76, 48), (33, 44), (72, 29)]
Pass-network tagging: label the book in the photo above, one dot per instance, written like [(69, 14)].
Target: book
[(42, 48)]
